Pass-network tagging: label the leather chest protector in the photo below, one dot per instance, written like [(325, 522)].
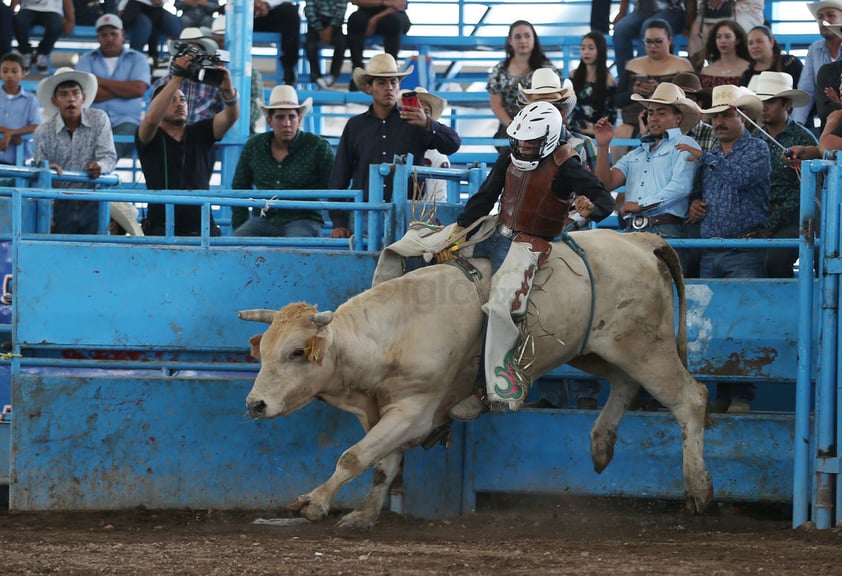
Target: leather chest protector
[(529, 204)]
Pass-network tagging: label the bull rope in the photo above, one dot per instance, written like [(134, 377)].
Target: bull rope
[(573, 245)]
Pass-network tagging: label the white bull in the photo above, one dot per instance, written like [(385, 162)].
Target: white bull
[(401, 354)]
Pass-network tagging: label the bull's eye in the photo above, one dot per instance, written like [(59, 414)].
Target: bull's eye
[(297, 353)]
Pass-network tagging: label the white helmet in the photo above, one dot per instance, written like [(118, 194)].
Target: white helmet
[(536, 121)]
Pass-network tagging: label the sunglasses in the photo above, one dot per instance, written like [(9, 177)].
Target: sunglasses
[(654, 41)]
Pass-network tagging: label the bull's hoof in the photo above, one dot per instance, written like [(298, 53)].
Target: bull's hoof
[(602, 449), (304, 506), (357, 520), (699, 501)]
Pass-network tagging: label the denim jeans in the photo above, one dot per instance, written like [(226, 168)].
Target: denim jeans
[(258, 226), (53, 25)]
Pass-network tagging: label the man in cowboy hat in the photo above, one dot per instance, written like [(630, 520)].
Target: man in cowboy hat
[(820, 52), (122, 79), (734, 180), (775, 91), (203, 100), (657, 175), (177, 155), (285, 158), (383, 132), (75, 137)]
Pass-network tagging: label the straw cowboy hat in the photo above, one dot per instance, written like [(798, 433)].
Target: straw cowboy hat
[(768, 85), (669, 93), (284, 97), (814, 7), (125, 214), (194, 36), (379, 66), (436, 103), (727, 95), (47, 88), (547, 87)]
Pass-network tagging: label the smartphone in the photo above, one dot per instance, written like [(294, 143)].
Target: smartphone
[(410, 99)]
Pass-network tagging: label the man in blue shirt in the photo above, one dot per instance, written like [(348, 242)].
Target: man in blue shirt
[(735, 182), (122, 77), (658, 175)]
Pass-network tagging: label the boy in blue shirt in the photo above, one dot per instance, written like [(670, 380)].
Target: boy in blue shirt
[(19, 111)]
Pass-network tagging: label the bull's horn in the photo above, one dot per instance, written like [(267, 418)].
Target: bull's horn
[(322, 318), (257, 315)]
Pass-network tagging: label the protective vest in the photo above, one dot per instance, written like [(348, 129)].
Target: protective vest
[(529, 204)]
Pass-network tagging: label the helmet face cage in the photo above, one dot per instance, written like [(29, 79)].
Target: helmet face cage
[(537, 121)]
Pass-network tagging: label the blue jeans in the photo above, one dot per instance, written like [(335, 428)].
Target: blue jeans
[(258, 226), (631, 28), (75, 217), (144, 24), (53, 25)]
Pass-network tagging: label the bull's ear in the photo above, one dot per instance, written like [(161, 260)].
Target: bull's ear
[(315, 349), (255, 345), (322, 318)]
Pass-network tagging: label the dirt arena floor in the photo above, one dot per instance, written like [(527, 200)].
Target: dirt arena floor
[(506, 536)]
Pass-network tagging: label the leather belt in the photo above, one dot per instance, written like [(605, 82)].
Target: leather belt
[(641, 222), (759, 233)]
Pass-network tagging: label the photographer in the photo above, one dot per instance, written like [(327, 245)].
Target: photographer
[(175, 154)]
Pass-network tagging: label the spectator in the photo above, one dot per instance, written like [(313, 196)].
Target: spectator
[(727, 54), (705, 137), (203, 100), (594, 86), (434, 190), (827, 84), (628, 27), (281, 16), (88, 11), (324, 27), (285, 158), (124, 220), (766, 55), (734, 179), (122, 79), (548, 174), (381, 132), (20, 113), (197, 13), (524, 55), (385, 17), (74, 137), (255, 114), (145, 21), (56, 16), (657, 175), (775, 91), (175, 154), (643, 75), (705, 14), (819, 53), (600, 16)]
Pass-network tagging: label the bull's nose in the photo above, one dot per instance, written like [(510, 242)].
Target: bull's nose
[(257, 408)]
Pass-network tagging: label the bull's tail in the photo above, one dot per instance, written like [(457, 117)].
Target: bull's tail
[(668, 256)]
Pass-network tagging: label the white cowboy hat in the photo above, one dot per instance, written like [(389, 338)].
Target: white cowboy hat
[(437, 104), (669, 93), (379, 66), (218, 26), (768, 85), (544, 81), (814, 7), (727, 96), (47, 88), (284, 97), (194, 36), (125, 214)]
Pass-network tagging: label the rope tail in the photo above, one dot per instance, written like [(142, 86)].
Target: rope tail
[(565, 237)]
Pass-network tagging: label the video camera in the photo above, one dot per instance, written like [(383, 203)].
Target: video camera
[(202, 67)]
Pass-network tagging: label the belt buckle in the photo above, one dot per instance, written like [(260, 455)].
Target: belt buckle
[(505, 231), (640, 222)]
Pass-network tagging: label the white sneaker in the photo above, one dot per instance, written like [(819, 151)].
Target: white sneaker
[(325, 82), (41, 63)]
